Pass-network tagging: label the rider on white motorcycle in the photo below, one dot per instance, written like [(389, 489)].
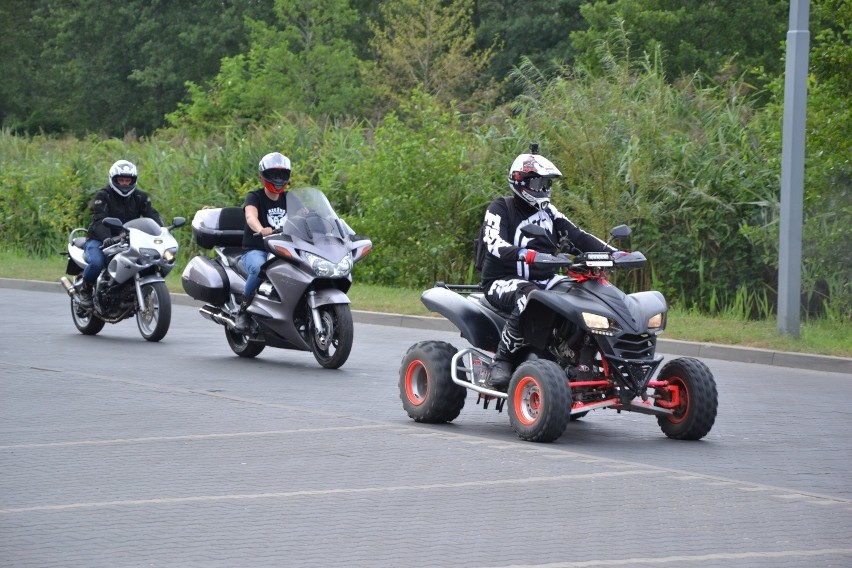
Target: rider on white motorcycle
[(508, 273), (120, 198)]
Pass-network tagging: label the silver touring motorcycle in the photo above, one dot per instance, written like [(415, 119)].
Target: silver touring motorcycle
[(592, 347), (133, 282), (301, 303)]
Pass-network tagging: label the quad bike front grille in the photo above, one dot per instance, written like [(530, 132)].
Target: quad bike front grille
[(636, 346)]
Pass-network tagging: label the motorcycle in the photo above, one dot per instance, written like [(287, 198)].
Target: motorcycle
[(301, 303), (133, 280), (591, 346)]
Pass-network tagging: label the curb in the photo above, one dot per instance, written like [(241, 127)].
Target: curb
[(825, 363)]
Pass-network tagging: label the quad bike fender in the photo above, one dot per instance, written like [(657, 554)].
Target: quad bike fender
[(476, 323)]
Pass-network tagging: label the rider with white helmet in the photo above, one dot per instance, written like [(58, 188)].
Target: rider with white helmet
[(508, 273), (119, 198)]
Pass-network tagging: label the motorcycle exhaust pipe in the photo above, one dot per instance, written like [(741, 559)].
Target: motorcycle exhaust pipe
[(216, 315), (69, 287)]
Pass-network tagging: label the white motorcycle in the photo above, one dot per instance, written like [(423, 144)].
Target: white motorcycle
[(133, 280)]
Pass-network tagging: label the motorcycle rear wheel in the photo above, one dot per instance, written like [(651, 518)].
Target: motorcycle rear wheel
[(155, 316), (240, 344), (85, 321), (539, 401), (332, 344)]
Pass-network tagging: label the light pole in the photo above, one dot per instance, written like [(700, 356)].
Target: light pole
[(793, 170)]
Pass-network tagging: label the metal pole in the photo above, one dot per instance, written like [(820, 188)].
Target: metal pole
[(793, 170)]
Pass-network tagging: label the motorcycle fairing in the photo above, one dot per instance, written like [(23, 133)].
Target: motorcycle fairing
[(480, 326)]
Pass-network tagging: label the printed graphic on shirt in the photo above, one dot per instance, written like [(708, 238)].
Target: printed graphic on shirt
[(275, 217)]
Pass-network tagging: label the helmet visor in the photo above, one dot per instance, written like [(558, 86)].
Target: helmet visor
[(540, 184), (277, 176)]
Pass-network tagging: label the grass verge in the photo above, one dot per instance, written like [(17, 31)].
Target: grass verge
[(817, 336)]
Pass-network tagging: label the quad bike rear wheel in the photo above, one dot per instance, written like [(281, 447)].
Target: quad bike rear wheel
[(692, 397), (426, 386), (539, 401)]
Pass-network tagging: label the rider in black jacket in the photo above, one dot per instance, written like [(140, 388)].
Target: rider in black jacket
[(508, 273), (120, 198)]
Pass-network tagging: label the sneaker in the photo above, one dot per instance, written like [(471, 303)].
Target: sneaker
[(500, 375)]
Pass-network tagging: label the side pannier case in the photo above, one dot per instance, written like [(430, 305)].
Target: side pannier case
[(204, 279), (221, 227)]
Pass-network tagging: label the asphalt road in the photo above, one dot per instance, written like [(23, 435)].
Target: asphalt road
[(118, 452)]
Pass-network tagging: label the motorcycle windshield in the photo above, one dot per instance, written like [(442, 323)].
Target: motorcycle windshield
[(146, 225), (311, 218)]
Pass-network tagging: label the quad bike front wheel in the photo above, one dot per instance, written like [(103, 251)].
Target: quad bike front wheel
[(155, 314), (332, 344), (539, 401), (692, 397), (426, 386)]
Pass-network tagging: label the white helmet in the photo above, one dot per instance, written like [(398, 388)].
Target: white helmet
[(123, 169), (531, 178), (274, 172)]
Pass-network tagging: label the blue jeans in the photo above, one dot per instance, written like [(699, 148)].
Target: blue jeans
[(95, 257), (252, 261)]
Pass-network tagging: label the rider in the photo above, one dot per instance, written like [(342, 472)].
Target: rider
[(122, 199), (509, 274), (265, 210)]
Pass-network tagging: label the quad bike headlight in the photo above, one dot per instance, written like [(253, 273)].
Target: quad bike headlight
[(657, 322), (326, 269), (599, 324)]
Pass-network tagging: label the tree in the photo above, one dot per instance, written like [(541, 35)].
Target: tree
[(694, 35), (538, 31), (95, 65), (426, 45), (299, 62)]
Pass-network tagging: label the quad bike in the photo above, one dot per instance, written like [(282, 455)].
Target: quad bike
[(133, 282), (591, 346)]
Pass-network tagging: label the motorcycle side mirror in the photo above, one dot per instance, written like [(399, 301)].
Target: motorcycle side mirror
[(178, 222), (113, 223), (620, 232)]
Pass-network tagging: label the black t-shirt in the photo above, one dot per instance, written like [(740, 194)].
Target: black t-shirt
[(270, 214)]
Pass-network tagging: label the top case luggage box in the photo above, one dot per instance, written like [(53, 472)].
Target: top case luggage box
[(222, 227)]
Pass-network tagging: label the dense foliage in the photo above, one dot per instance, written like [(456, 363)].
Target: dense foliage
[(411, 134)]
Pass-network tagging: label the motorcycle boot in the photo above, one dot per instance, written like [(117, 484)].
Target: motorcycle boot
[(243, 321), (500, 371), (84, 297)]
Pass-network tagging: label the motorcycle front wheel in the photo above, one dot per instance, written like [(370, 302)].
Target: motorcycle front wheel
[(85, 321), (332, 344), (155, 315)]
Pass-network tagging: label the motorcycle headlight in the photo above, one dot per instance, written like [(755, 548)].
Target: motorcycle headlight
[(657, 322), (599, 324), (169, 255), (149, 254), (326, 269)]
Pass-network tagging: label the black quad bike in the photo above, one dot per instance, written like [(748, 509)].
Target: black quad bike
[(591, 346)]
